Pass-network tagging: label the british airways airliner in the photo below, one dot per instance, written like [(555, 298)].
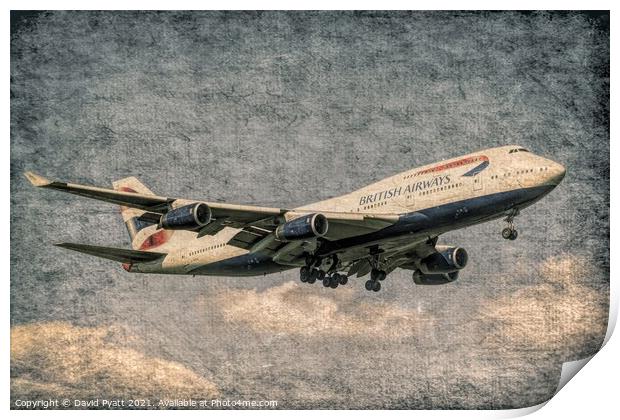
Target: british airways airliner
[(393, 223)]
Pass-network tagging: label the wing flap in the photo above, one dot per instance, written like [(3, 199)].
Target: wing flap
[(128, 256)]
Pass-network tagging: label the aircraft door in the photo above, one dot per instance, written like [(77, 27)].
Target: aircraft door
[(404, 201), (478, 183)]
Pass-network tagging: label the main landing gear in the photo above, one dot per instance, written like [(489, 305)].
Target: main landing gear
[(310, 275), (335, 280), (510, 232), (315, 270), (376, 276)]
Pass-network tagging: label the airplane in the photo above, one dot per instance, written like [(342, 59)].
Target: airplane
[(393, 223)]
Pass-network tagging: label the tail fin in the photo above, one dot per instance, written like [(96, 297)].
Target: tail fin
[(144, 234)]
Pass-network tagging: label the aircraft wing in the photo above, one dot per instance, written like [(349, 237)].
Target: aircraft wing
[(256, 221), (257, 224), (226, 214)]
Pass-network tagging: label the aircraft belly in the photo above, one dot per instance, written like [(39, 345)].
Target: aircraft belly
[(249, 264), (433, 221)]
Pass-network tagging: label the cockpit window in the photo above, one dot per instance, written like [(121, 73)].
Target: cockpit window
[(518, 150)]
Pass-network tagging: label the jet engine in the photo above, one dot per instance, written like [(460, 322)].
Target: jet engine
[(189, 217), (434, 279), (305, 227), (446, 260)]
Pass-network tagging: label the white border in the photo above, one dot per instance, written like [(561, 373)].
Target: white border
[(594, 394)]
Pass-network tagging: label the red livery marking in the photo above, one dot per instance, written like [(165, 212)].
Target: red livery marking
[(454, 164), (153, 241), (157, 239)]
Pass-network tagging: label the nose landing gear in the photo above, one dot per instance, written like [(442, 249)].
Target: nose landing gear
[(510, 232), (376, 276)]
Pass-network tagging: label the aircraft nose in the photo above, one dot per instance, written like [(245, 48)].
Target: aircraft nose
[(556, 173)]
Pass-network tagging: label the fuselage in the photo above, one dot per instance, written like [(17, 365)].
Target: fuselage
[(429, 200)]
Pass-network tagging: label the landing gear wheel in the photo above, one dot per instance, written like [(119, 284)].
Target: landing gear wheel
[(369, 285), (334, 281), (343, 280), (506, 233), (377, 275), (376, 287), (326, 281), (304, 274), (510, 233)]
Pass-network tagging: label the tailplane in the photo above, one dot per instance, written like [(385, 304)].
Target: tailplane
[(126, 256)]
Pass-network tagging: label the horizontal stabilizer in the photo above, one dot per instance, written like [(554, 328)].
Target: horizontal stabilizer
[(128, 256)]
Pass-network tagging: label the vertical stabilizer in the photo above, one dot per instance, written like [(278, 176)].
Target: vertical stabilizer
[(144, 234)]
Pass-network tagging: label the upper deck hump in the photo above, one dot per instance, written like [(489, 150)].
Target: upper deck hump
[(431, 168)]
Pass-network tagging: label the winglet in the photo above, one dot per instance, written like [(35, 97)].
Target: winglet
[(37, 180)]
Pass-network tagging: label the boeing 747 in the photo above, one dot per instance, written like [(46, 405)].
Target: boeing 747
[(394, 223)]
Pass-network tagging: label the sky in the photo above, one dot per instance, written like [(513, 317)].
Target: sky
[(282, 109)]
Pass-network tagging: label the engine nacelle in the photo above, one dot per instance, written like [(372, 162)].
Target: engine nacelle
[(305, 227), (447, 259), (434, 279), (189, 217)]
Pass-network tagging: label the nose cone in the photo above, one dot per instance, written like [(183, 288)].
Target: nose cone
[(556, 173)]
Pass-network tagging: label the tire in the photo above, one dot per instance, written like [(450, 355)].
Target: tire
[(326, 282), (374, 274), (369, 285), (304, 274), (343, 280), (382, 275), (376, 287), (507, 233), (334, 282), (311, 281), (514, 235)]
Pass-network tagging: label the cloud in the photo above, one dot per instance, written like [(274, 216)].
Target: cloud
[(293, 309), (57, 360), (563, 313)]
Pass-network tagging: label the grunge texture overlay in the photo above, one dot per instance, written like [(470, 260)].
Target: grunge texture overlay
[(282, 109)]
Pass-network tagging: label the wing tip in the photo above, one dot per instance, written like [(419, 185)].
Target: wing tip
[(37, 180)]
